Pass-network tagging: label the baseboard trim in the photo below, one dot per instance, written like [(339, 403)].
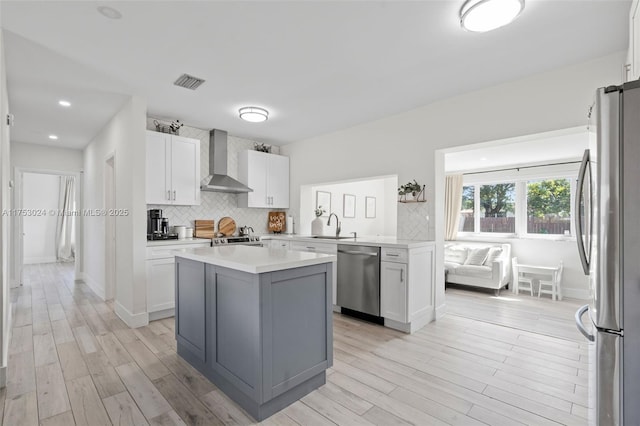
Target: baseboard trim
[(94, 285), (34, 260), (132, 320), (576, 293), (3, 376), (165, 313), (441, 311)]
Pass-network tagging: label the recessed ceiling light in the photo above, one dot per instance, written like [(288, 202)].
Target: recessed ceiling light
[(483, 159), (64, 103), (254, 114), (109, 12), (487, 15), (53, 137)]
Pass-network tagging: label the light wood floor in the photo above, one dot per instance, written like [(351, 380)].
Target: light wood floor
[(73, 361)]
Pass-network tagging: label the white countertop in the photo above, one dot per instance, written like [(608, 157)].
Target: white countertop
[(252, 259), (365, 240), (184, 241)]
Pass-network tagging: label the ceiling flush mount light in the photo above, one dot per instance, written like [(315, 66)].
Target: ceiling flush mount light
[(487, 15), (254, 114), (64, 103), (53, 137), (109, 12)]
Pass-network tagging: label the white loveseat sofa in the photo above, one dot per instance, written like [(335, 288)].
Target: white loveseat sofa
[(478, 264)]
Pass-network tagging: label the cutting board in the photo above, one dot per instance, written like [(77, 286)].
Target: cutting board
[(204, 229), (227, 226), (277, 222)]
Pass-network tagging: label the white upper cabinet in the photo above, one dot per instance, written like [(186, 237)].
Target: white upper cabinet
[(632, 67), (173, 169), (268, 176)]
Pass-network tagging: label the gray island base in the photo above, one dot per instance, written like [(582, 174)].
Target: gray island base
[(257, 322)]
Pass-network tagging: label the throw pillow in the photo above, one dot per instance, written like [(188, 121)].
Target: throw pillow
[(455, 255), (477, 256), (494, 253)]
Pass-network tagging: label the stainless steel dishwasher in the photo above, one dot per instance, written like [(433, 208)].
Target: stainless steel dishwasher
[(359, 278)]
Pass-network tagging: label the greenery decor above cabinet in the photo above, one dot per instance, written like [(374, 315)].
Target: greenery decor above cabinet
[(268, 176), (173, 169)]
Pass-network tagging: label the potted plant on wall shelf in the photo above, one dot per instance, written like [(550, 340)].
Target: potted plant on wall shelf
[(415, 189)]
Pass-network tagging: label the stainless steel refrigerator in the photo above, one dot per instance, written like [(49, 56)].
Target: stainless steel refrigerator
[(608, 228)]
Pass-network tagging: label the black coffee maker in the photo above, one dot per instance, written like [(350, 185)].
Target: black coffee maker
[(158, 226)]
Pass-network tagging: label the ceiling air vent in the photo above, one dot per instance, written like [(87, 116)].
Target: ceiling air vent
[(188, 81)]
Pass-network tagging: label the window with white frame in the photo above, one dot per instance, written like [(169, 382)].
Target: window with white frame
[(549, 206), (531, 203)]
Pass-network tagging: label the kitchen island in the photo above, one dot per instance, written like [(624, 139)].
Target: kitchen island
[(255, 321)]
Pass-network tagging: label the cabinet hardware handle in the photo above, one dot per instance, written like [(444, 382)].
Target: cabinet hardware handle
[(169, 195), (392, 255), (174, 195), (401, 275), (362, 253)]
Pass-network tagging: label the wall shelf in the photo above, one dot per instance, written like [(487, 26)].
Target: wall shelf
[(412, 201)]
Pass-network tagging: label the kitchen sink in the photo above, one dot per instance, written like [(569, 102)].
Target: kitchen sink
[(332, 237)]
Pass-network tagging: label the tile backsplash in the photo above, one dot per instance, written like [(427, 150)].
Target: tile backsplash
[(413, 221), (215, 205)]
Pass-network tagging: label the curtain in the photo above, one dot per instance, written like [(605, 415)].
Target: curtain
[(452, 205), (65, 229)]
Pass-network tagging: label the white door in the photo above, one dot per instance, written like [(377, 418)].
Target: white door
[(185, 171), (257, 168), (158, 175), (279, 181), (393, 291)]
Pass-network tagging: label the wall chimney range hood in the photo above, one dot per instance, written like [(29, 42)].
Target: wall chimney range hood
[(219, 181)]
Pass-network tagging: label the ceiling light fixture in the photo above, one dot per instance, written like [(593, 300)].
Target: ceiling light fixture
[(53, 137), (254, 114), (64, 103), (487, 15), (109, 12)]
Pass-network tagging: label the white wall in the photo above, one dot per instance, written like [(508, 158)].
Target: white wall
[(382, 225), (32, 156), (123, 136), (40, 192), (5, 232), (407, 144)]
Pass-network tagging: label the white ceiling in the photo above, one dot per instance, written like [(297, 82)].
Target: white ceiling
[(318, 66), (545, 149)]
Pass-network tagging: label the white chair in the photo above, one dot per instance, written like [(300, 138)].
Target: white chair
[(552, 287), (520, 282)]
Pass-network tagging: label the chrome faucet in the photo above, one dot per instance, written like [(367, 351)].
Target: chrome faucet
[(337, 224)]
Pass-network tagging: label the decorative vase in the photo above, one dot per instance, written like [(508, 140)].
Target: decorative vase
[(316, 226)]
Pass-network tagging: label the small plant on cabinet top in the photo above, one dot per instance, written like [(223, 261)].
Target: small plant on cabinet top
[(320, 211)]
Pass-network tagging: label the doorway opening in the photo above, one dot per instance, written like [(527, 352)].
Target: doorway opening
[(46, 220)]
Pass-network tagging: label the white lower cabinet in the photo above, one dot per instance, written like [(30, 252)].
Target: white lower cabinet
[(393, 291), (160, 284), (160, 268), (406, 287)]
